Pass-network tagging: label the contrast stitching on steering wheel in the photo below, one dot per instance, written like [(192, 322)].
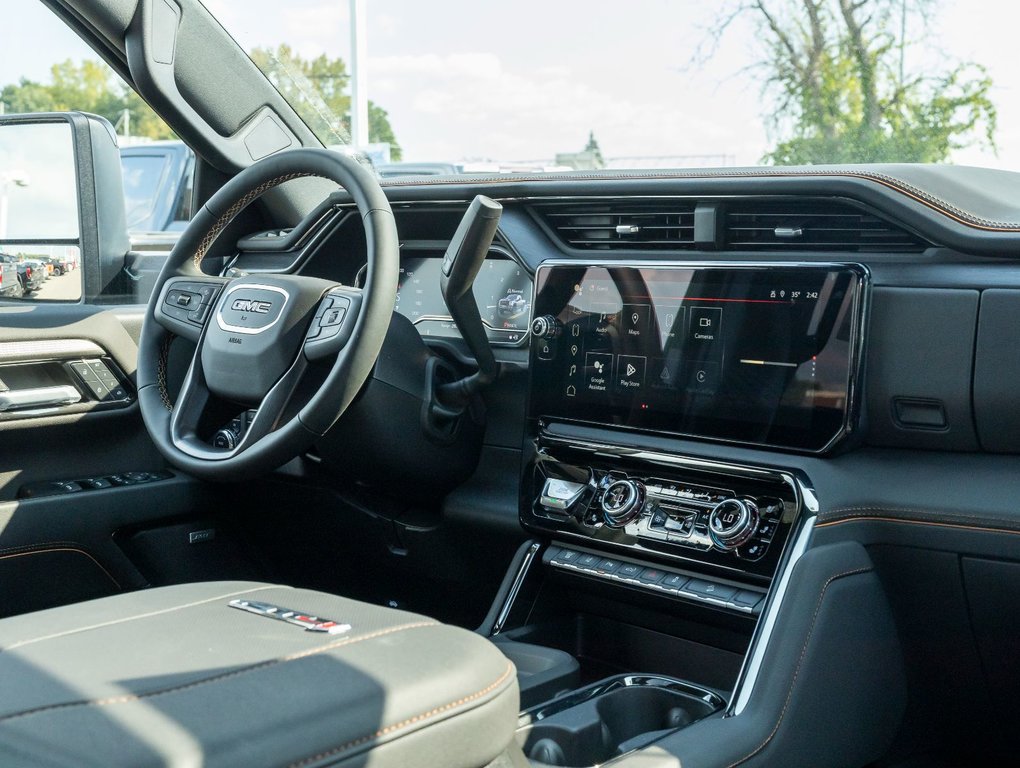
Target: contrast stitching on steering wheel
[(236, 208), (161, 368)]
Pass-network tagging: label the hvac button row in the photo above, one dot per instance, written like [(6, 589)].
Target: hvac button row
[(655, 579)]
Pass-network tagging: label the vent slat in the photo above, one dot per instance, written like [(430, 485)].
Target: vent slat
[(823, 224), (594, 225)]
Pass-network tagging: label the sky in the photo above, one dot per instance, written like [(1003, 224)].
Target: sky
[(37, 185), (523, 80)]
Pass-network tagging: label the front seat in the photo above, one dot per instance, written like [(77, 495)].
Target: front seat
[(179, 676)]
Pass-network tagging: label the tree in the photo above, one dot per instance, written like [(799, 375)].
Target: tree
[(843, 94), (319, 86), (90, 86)]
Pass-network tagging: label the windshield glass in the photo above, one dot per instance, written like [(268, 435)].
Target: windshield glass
[(538, 86)]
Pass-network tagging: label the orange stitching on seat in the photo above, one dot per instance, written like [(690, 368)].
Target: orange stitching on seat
[(405, 723), (221, 223), (37, 549), (112, 622), (800, 661), (132, 697)]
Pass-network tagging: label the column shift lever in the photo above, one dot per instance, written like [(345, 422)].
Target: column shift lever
[(463, 259)]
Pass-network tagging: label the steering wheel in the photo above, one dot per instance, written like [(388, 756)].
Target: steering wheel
[(257, 335)]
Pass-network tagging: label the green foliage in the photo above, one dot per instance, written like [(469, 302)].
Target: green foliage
[(843, 95), (90, 86), (317, 88)]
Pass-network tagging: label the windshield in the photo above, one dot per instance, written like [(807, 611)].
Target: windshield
[(537, 86)]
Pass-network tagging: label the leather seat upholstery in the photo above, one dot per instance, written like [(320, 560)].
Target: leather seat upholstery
[(174, 676)]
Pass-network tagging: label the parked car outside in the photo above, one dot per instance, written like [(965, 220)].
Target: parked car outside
[(31, 278), (10, 285)]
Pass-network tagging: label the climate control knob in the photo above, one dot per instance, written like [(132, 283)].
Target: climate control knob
[(732, 522), (621, 501)]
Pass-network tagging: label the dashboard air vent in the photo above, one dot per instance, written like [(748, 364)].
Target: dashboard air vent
[(661, 225), (812, 224)]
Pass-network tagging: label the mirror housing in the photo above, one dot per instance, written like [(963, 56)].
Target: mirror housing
[(102, 229)]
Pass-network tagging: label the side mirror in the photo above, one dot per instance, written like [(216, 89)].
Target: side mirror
[(61, 206)]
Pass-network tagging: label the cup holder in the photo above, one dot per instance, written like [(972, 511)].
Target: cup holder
[(611, 718)]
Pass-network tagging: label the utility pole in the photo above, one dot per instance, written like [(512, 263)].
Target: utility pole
[(359, 75)]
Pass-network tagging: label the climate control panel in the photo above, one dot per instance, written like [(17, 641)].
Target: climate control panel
[(734, 518)]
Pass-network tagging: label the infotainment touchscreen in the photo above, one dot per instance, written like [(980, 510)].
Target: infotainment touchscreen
[(757, 355)]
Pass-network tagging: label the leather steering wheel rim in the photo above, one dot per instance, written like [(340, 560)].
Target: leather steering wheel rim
[(354, 361)]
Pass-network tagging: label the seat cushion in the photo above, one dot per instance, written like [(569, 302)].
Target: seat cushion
[(175, 676)]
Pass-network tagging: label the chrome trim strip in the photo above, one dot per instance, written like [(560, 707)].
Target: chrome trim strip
[(38, 397), (16, 351), (710, 465), (767, 623), (515, 588), (225, 326)]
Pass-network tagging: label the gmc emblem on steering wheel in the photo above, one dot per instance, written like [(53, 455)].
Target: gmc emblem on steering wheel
[(251, 305)]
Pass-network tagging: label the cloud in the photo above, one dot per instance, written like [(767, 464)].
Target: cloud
[(473, 105)]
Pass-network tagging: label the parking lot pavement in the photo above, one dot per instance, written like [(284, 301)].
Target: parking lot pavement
[(65, 287)]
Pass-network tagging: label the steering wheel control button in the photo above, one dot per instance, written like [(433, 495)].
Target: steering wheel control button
[(333, 316)]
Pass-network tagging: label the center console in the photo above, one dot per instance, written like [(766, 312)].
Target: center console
[(659, 570)]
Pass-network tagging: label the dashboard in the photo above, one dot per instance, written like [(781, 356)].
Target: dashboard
[(714, 384)]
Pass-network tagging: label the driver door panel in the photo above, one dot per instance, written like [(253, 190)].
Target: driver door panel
[(57, 527)]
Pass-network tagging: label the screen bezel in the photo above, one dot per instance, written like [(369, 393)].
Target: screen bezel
[(859, 312)]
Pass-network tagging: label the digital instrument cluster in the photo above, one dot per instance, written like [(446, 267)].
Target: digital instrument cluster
[(502, 289)]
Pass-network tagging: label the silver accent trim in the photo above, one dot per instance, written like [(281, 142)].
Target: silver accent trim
[(40, 397), (767, 623), (515, 588), (15, 351), (860, 310), (788, 232), (710, 465), (225, 326), (560, 494)]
